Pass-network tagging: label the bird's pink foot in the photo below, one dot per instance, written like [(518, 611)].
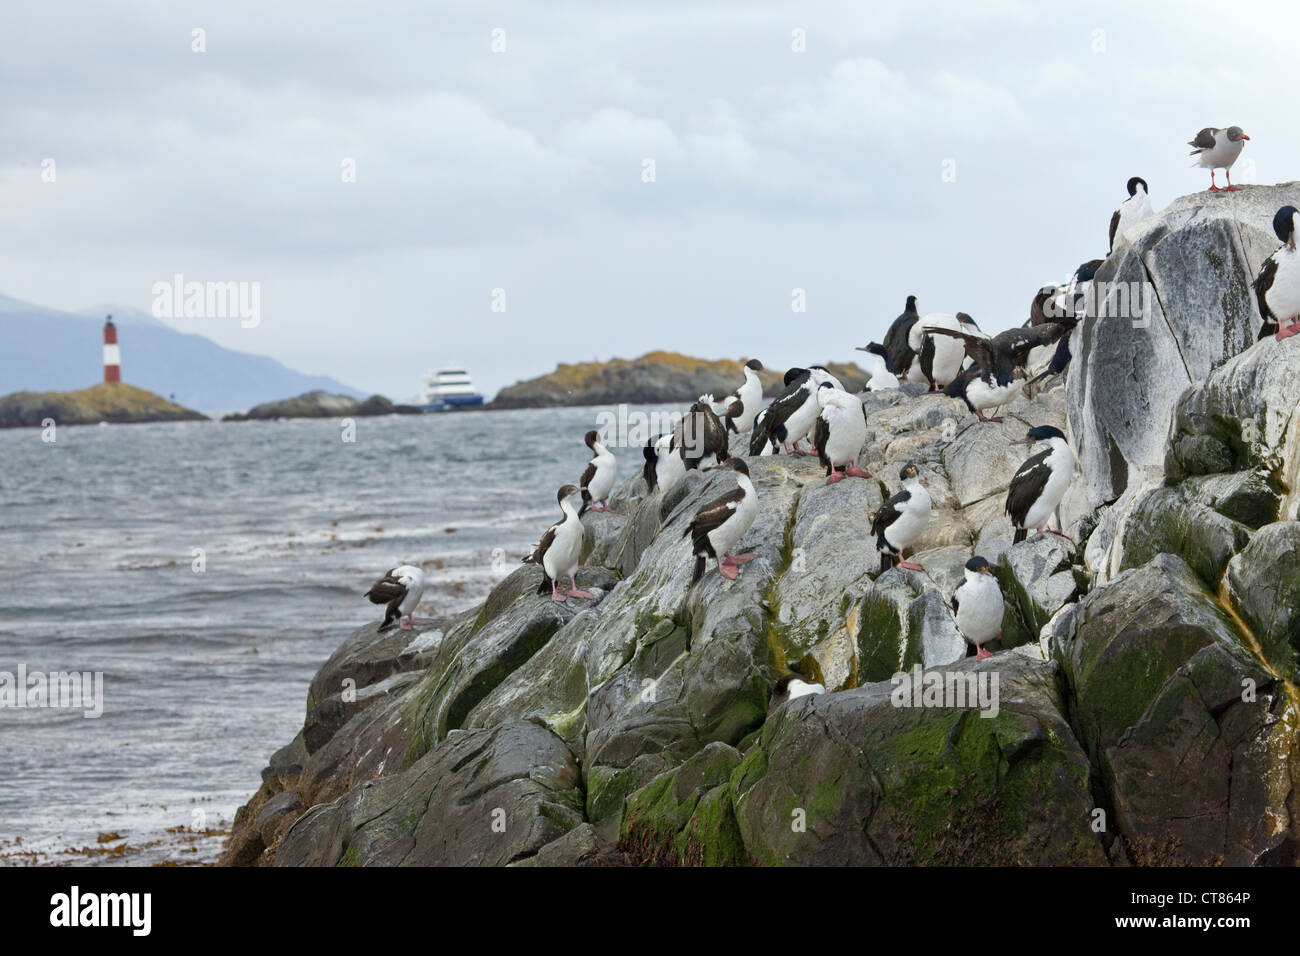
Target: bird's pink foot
[(575, 593), (405, 625), (910, 565), (1289, 331), (738, 559), (980, 653), (418, 623), (834, 476), (729, 571), (854, 471), (557, 594)]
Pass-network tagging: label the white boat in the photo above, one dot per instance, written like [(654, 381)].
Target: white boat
[(448, 388)]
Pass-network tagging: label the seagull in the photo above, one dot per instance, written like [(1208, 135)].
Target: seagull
[(1218, 149), (400, 588), (1132, 210), (1039, 483), (998, 373), (901, 519), (791, 686), (839, 433), (559, 550), (720, 524), (977, 605), (598, 479), (1277, 287)]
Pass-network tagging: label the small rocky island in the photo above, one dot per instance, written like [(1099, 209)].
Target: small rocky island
[(322, 404), (114, 402), (1148, 702), (654, 378)]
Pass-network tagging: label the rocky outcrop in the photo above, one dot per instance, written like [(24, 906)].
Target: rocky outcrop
[(654, 378), (1141, 706), (319, 404), (114, 402)]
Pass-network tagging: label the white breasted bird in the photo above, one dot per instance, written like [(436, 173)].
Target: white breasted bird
[(839, 433), (1040, 482), (1216, 148), (598, 479), (559, 550), (977, 605), (720, 524), (400, 588), (663, 466), (1132, 210), (901, 520), (1277, 287), (739, 409)]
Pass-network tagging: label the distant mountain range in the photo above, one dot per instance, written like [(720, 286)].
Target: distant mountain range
[(50, 350)]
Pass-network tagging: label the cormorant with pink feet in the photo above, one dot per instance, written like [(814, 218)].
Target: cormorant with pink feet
[(400, 588), (839, 433), (977, 605), (1277, 287), (559, 550), (899, 522), (1040, 482), (720, 524), (598, 479)]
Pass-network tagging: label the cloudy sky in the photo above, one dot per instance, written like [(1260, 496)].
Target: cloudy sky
[(962, 152)]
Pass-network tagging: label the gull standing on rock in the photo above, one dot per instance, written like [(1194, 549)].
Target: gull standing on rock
[(401, 589), (720, 524), (977, 605), (839, 433), (559, 550), (598, 480), (1132, 210), (901, 519), (1040, 482), (1216, 148), (1277, 287)]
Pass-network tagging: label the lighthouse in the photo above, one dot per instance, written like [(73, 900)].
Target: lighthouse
[(112, 354)]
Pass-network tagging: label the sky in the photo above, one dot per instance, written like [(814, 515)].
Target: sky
[(506, 186)]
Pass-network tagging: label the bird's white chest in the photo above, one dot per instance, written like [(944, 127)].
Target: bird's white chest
[(848, 433), (1061, 463), (983, 395), (801, 420), (1223, 154), (728, 534), (913, 516), (669, 469), (603, 481), (1283, 297), (979, 608), (562, 556)]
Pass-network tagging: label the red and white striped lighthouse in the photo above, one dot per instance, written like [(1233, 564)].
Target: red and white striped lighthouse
[(112, 354)]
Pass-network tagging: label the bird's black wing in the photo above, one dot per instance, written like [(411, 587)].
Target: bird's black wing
[(782, 407), (734, 411), (1018, 343), (587, 475), (712, 515), (821, 433), (542, 546), (978, 347), (898, 351), (1114, 227), (1264, 282), (1204, 140), (651, 461), (956, 602), (386, 589), (957, 387), (888, 513), (1027, 486)]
